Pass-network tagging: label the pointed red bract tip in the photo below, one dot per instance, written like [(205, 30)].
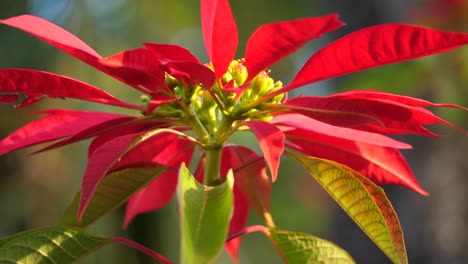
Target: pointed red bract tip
[(54, 35), (271, 140), (99, 164), (219, 33), (272, 42)]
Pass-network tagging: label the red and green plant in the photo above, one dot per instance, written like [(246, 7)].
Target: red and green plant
[(186, 106)]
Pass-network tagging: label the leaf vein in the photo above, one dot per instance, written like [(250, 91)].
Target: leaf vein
[(27, 247)]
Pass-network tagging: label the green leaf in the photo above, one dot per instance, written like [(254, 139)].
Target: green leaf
[(302, 248), (56, 244), (205, 212), (365, 203), (111, 192)]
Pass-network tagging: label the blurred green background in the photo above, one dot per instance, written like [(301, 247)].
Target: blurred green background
[(35, 189)]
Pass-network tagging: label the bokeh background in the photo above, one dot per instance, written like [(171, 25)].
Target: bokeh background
[(35, 189)]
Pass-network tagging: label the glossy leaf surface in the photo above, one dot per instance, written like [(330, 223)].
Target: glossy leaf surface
[(297, 247), (54, 244), (204, 212), (301, 248), (99, 164), (363, 201)]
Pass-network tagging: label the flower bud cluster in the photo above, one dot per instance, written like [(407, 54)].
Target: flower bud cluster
[(210, 105), (261, 85), (207, 111)]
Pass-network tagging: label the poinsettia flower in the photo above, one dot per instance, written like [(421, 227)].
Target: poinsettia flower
[(219, 98)]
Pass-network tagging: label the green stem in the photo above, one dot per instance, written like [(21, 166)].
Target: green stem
[(213, 153), (224, 127), (196, 124), (212, 165)]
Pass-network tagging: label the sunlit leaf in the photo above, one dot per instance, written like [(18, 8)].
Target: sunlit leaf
[(111, 192), (301, 248), (296, 247), (60, 244), (205, 212), (99, 164), (54, 244), (382, 165), (365, 203)]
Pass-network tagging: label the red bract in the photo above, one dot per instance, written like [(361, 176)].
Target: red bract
[(181, 94), (113, 132)]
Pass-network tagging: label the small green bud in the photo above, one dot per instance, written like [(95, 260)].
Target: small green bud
[(262, 84), (206, 98), (145, 99), (227, 77), (171, 82), (178, 92), (277, 99), (238, 72), (246, 96)]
